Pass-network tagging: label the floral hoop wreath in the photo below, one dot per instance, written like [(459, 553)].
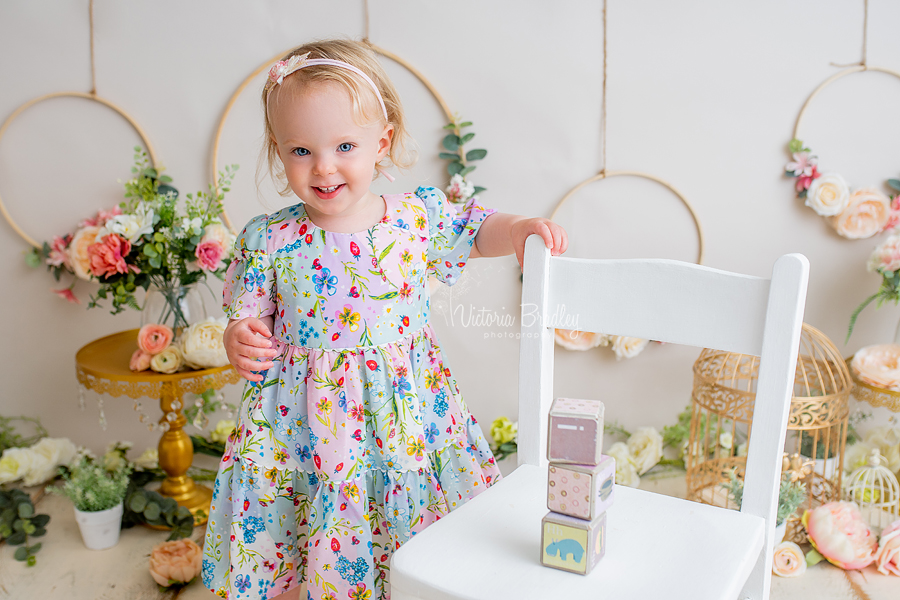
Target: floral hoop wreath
[(460, 189), (88, 96), (623, 346), (854, 214)]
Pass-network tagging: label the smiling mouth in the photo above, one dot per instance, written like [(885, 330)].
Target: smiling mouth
[(328, 190)]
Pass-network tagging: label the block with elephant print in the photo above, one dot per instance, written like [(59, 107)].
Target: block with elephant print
[(572, 544)]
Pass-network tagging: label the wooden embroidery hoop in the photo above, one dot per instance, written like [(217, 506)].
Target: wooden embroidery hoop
[(265, 66), (607, 174)]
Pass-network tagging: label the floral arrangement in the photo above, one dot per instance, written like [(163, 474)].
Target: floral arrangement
[(856, 214), (623, 346), (38, 463), (199, 346), (176, 563), (147, 239), (460, 189)]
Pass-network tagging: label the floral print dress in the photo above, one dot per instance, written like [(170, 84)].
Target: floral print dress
[(358, 437)]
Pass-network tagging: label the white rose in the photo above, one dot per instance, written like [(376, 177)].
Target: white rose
[(628, 347), (222, 431), (42, 469), (78, 254), (887, 440), (626, 472), (856, 455), (14, 463), (131, 227), (645, 446), (742, 449), (726, 440), (202, 344), (148, 460), (49, 454), (167, 361), (828, 195)]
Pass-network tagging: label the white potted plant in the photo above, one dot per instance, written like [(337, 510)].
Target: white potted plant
[(791, 495), (98, 495)]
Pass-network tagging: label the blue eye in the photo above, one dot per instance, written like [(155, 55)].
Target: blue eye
[(300, 151), (345, 147)]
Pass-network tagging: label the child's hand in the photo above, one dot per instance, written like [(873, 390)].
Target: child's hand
[(248, 339), (554, 236)]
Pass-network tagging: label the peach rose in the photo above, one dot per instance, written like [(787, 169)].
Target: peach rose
[(572, 339), (878, 365), (866, 214), (108, 257), (176, 562), (140, 361), (153, 338), (788, 560), (78, 251), (838, 532), (887, 560), (828, 195)]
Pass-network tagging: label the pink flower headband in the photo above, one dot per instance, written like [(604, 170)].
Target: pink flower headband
[(283, 68)]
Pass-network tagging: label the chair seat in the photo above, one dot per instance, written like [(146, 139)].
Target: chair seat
[(657, 547)]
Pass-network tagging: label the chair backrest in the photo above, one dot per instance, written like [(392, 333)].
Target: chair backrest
[(681, 303)]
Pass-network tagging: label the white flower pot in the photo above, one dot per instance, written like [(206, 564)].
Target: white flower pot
[(780, 531), (100, 530), (826, 466)]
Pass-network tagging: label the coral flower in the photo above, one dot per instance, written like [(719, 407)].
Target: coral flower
[(108, 257), (838, 532)]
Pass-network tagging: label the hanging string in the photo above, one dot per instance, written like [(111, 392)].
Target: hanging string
[(603, 106), (366, 34), (865, 40), (93, 91)]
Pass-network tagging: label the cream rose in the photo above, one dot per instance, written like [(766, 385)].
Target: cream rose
[(78, 251), (856, 455), (866, 214), (202, 345), (626, 472), (828, 195), (878, 365), (788, 560), (572, 339), (218, 233), (15, 463), (645, 447), (887, 440), (49, 454), (167, 361), (222, 431), (628, 347), (148, 460)]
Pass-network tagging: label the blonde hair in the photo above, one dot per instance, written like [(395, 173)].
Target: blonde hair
[(366, 108)]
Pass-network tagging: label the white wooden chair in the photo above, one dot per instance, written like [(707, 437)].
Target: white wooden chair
[(657, 546)]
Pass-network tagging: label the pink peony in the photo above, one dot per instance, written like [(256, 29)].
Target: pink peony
[(140, 361), (108, 256), (887, 560), (153, 338), (209, 255), (838, 532), (66, 294)]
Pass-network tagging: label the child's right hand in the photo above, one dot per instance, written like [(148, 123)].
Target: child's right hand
[(246, 340)]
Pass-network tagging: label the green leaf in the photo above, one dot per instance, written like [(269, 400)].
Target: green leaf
[(151, 511), (38, 532), (33, 256), (31, 561), (29, 528), (149, 250), (450, 126), (21, 554), (41, 520), (795, 145), (477, 154), (159, 237), (477, 190), (451, 142), (385, 252), (858, 310), (387, 296), (16, 538), (466, 138), (444, 155), (454, 168), (26, 510), (138, 502), (466, 124), (33, 549), (467, 170), (155, 262), (894, 183), (813, 558)]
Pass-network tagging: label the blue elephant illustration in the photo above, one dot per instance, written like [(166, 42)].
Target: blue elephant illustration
[(565, 548), (606, 489)]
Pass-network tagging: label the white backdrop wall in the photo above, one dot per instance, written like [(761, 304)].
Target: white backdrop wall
[(703, 94)]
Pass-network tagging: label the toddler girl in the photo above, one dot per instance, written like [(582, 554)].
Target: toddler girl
[(353, 435)]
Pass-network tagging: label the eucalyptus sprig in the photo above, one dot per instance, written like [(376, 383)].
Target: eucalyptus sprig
[(10, 438), (18, 522), (457, 154), (791, 495)]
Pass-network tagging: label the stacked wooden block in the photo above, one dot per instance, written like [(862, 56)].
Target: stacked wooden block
[(580, 487)]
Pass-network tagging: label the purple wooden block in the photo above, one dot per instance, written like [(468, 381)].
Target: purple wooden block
[(575, 431)]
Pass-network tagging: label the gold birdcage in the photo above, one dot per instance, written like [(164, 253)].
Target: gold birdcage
[(722, 405), (875, 489)]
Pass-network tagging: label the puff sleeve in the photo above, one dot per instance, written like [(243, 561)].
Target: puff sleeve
[(451, 233), (249, 289)]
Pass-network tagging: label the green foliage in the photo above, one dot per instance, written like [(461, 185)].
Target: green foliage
[(10, 438), (675, 435), (797, 146), (790, 495), (208, 447), (457, 155), (92, 488), (894, 183), (18, 522), (150, 508), (889, 290)]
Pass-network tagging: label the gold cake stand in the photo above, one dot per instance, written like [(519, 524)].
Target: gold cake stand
[(873, 395), (102, 366)]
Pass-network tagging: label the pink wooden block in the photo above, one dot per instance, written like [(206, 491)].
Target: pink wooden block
[(581, 491), (572, 544), (575, 431)]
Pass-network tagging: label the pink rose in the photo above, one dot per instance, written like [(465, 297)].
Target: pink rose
[(867, 213), (788, 560), (887, 560), (209, 255), (153, 338), (108, 256), (838, 532), (140, 361)]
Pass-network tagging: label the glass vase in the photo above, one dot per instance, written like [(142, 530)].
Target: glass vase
[(174, 305)]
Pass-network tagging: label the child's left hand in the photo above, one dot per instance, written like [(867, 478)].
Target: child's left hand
[(554, 236)]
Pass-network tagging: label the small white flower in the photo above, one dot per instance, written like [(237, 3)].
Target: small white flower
[(726, 440), (130, 227), (193, 226)]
